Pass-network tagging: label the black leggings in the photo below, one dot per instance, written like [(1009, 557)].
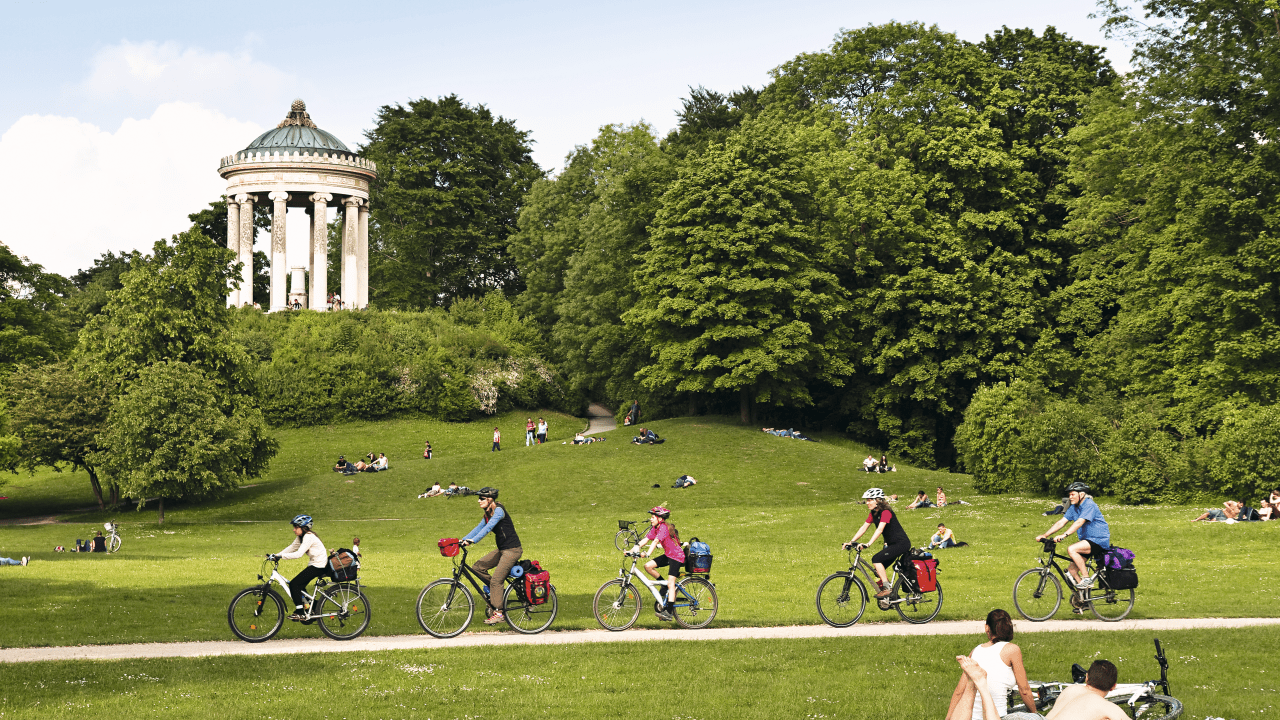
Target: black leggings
[(302, 579), (889, 553)]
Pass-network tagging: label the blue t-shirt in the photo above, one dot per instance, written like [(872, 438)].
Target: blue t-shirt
[(1094, 528)]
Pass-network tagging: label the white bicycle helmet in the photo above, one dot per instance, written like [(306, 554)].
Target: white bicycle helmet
[(873, 493)]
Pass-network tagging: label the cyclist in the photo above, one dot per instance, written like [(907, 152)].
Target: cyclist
[(305, 543), (1087, 522), (660, 531), (498, 521), (896, 542)]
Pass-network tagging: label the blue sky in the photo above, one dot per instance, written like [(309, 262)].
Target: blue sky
[(115, 115)]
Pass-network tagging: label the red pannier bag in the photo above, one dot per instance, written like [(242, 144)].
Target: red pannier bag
[(927, 574), (537, 584), (449, 547)]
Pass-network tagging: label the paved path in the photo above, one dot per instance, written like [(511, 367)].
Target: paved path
[(571, 637), (599, 419)]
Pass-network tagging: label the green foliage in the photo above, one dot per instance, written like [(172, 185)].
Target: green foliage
[(1246, 454), (736, 292), (57, 414), (33, 328), (167, 436), (212, 223), (451, 180)]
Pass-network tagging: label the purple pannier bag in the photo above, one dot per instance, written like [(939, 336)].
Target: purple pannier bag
[(1117, 558)]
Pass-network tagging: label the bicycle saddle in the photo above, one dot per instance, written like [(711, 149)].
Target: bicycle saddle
[(1077, 673)]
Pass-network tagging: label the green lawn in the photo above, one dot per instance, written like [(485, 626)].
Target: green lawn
[(774, 511), (1218, 673)]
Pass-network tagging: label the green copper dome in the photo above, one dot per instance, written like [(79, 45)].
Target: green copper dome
[(297, 133)]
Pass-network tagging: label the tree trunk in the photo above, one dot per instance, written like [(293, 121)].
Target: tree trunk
[(161, 521), (744, 405), (97, 486), (115, 494), (693, 405)]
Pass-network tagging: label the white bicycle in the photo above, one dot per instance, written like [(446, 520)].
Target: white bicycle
[(617, 602), (113, 540), (257, 613), (1139, 700)]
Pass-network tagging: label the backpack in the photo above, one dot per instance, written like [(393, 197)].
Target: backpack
[(537, 582), (926, 574), (697, 559), (1117, 558), (343, 565)]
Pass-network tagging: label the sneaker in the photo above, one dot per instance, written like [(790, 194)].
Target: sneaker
[(1084, 583), (26, 560), (298, 616), (494, 619), (883, 593), (664, 616), (1077, 611)]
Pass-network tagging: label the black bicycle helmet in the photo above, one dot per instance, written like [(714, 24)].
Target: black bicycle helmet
[(1077, 487), (488, 492), (302, 521)]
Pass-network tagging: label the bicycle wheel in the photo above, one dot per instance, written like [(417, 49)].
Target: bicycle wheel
[(1153, 707), (624, 540), (445, 608), (524, 617), (113, 544), (919, 608), (841, 599), (1037, 594), (696, 603), (1111, 605), (255, 614), (344, 612), (616, 605)]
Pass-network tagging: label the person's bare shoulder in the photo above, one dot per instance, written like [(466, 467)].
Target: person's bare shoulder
[(1084, 705), (1061, 707)]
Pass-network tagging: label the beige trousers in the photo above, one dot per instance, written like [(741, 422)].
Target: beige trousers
[(500, 561)]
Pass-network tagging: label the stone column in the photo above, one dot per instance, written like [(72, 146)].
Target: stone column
[(297, 283), (233, 244), (362, 258), (320, 250), (279, 266), (246, 247), (350, 236)]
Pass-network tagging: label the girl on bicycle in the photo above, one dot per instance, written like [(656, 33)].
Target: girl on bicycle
[(305, 543), (896, 542), (500, 561), (660, 531)]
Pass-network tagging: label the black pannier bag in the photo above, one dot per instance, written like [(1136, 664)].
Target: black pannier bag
[(343, 565), (698, 557), (1125, 578)]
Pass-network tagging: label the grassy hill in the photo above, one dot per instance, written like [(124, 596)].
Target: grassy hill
[(774, 511)]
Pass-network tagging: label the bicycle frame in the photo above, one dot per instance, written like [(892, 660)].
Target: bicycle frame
[(872, 579), (1135, 692), (657, 589), (310, 598), (461, 569), (1090, 563)]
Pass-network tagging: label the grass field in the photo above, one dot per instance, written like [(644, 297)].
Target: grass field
[(1216, 673), (773, 510)]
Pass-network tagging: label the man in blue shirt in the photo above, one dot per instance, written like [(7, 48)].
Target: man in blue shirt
[(1087, 521)]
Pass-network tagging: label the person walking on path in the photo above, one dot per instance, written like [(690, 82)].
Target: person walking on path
[(497, 440), (529, 429), (633, 415), (498, 521)]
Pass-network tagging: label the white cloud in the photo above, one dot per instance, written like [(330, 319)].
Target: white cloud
[(154, 73), (74, 191)]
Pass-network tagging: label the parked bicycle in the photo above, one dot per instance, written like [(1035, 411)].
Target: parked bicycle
[(445, 607), (617, 602), (113, 540), (257, 613), (1139, 700), (1038, 594), (627, 536), (842, 597)]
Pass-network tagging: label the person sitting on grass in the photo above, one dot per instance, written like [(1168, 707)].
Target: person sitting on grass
[(1267, 511), (342, 464), (11, 561), (943, 539), (1001, 661), (434, 491), (870, 464), (941, 500), (921, 501), (646, 437), (378, 465), (978, 695), (1089, 700), (453, 489), (99, 543), (1230, 510)]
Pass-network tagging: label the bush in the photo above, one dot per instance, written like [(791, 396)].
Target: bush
[(1246, 453)]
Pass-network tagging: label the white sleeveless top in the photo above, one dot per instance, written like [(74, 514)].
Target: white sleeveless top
[(999, 678)]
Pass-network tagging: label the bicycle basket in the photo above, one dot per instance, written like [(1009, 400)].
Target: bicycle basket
[(449, 547), (624, 524)]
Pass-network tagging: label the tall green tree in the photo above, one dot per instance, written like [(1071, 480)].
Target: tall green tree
[(736, 294), (33, 326), (451, 180), (168, 438), (57, 414)]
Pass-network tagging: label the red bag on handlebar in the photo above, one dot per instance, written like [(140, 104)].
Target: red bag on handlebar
[(449, 547)]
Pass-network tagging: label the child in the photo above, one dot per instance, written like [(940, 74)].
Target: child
[(497, 440)]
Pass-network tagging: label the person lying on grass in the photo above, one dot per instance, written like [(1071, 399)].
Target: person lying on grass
[(1230, 511), (11, 561), (1089, 701), (1001, 662), (434, 491), (580, 439)]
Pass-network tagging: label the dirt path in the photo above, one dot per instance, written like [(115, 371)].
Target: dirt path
[(571, 637), (599, 419)]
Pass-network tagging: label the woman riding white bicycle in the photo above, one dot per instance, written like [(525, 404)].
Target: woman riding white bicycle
[(896, 542), (305, 543), (673, 556)]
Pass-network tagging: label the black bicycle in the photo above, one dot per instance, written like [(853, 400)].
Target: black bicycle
[(1038, 594), (1139, 700), (842, 597), (627, 536), (446, 606)]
